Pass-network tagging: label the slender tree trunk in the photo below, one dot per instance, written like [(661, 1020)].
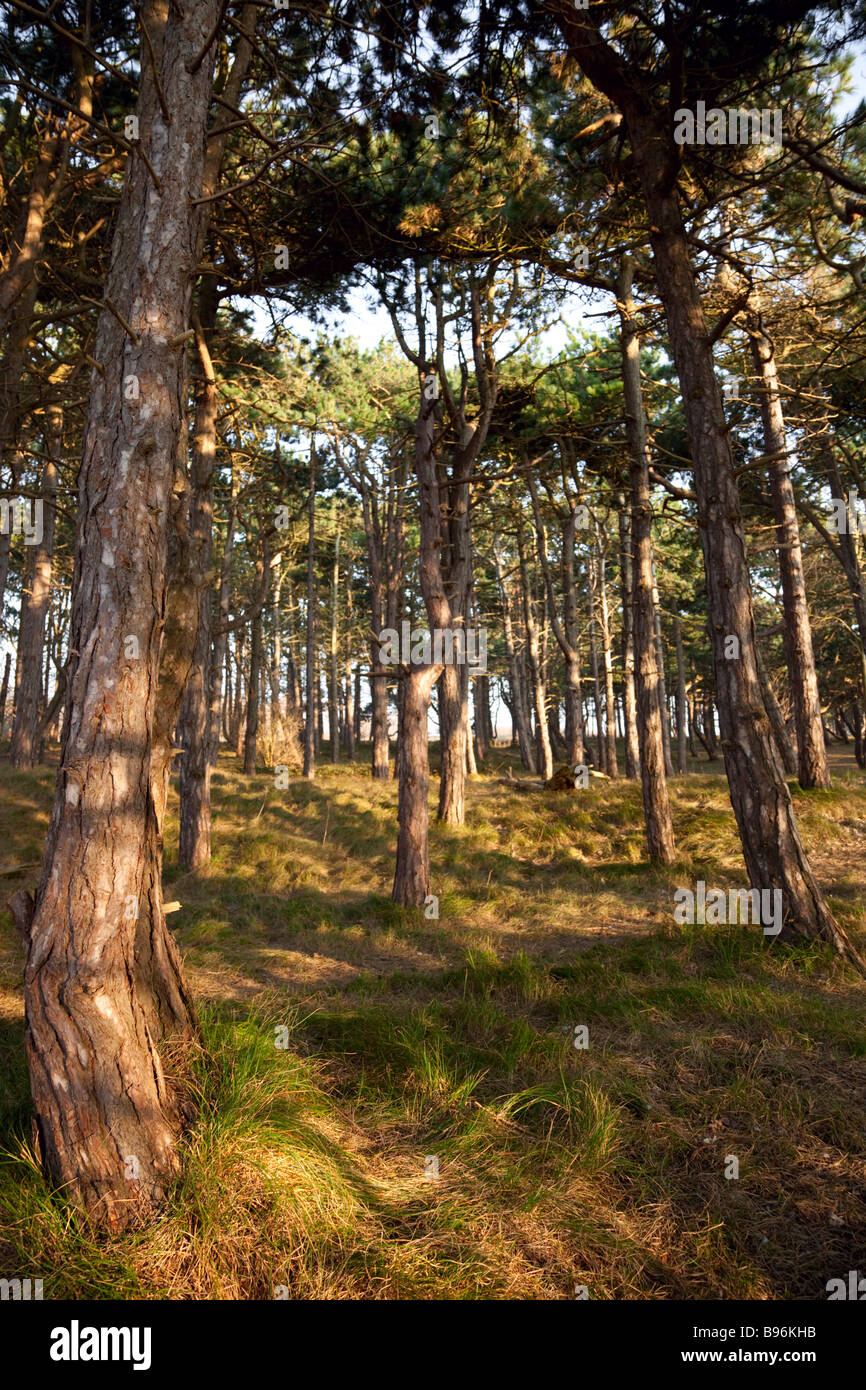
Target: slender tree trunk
[(241, 692), (566, 632), (4, 692), (220, 659), (662, 683), (471, 765), (104, 987), (657, 812), (481, 705), (23, 747), (16, 464), (444, 613), (195, 764), (311, 677), (600, 738), (846, 549), (784, 746), (681, 698), (545, 754), (629, 699), (812, 757), (333, 680), (710, 728), (350, 712), (610, 762), (253, 688), (519, 714)]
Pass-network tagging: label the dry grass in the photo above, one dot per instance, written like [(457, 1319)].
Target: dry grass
[(453, 1038)]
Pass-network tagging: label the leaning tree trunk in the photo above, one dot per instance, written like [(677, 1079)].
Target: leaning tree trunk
[(785, 747), (104, 986), (657, 811), (772, 849), (811, 753)]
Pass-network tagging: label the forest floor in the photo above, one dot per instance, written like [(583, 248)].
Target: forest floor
[(309, 1171)]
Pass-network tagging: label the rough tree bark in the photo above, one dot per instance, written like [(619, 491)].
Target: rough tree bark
[(104, 987)]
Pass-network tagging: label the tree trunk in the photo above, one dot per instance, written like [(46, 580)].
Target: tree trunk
[(785, 747), (545, 755), (518, 710), (221, 656), (412, 869), (600, 740), (444, 613), (629, 701), (256, 663), (610, 762), (350, 712), (662, 683), (104, 987), (311, 678), (195, 764), (811, 753), (481, 707), (333, 681), (4, 693), (681, 698), (657, 811), (772, 849), (23, 748)]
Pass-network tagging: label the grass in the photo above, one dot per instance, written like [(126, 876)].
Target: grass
[(409, 1039)]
